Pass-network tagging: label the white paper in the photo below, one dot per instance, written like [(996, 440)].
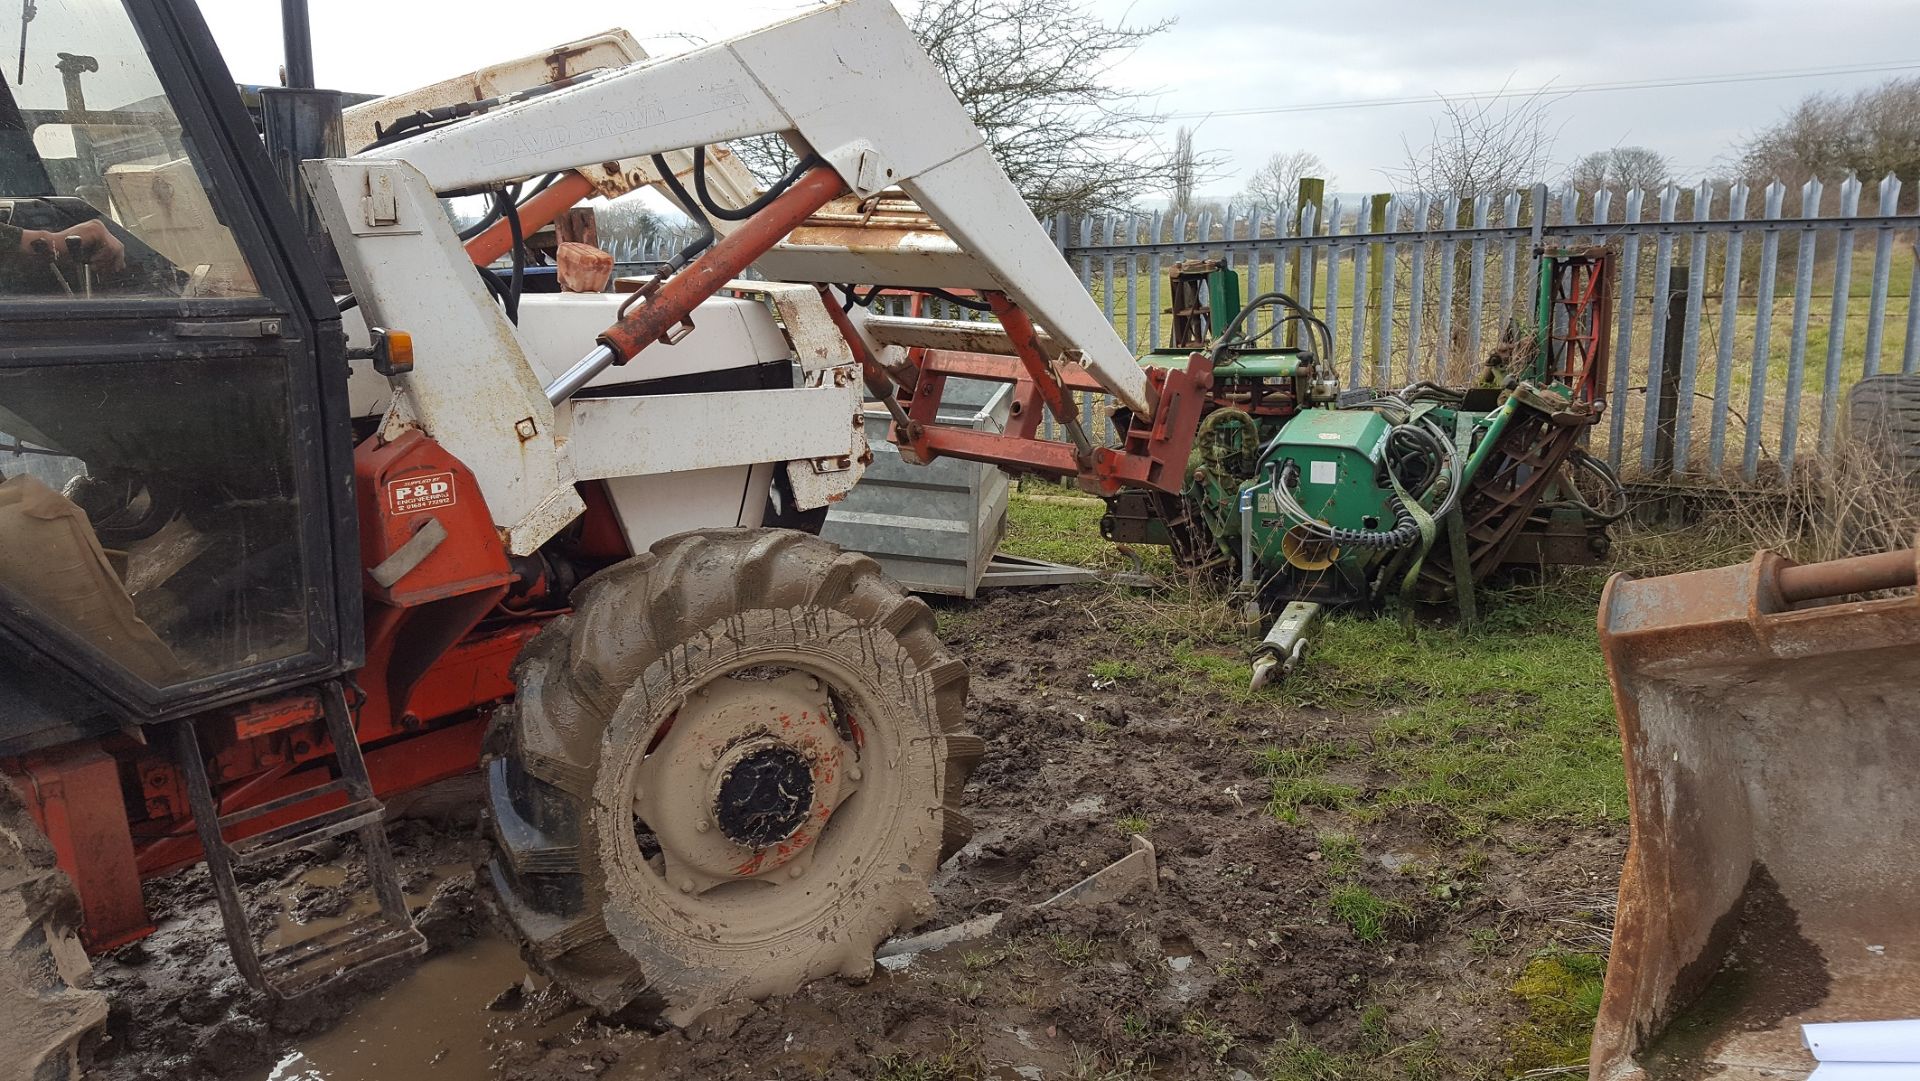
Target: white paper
[(1322, 473), (1866, 1041), (1866, 1071)]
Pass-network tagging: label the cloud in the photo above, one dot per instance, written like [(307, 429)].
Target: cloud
[(1236, 54)]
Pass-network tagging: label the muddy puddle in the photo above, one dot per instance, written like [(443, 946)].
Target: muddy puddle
[(445, 1019), (432, 1023)]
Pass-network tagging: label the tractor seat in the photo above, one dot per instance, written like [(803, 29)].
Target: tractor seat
[(51, 559)]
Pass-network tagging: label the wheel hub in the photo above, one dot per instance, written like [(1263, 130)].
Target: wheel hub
[(745, 781), (763, 793)]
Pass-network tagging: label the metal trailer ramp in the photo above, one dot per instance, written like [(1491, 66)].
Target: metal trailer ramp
[(1772, 744)]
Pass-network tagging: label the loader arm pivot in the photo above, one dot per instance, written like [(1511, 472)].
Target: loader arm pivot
[(847, 84)]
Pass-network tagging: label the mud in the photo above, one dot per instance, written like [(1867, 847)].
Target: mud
[(179, 1008), (1234, 955)]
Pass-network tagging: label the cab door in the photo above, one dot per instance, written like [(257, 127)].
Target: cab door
[(175, 473)]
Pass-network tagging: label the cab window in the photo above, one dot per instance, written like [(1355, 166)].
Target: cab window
[(101, 193), (150, 478)]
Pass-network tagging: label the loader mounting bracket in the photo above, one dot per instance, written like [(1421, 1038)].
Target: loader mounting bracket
[(1152, 452)]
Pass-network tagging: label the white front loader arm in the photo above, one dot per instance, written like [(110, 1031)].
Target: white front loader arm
[(848, 81), (854, 84)]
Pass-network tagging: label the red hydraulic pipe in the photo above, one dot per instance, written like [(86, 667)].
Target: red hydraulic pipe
[(535, 214), (1026, 342), (650, 320)]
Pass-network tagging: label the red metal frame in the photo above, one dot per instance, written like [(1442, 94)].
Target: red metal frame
[(535, 214), (74, 794), (669, 306), (1152, 453), (872, 374), (1582, 288)]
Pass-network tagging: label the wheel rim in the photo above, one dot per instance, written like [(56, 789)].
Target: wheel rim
[(766, 777)]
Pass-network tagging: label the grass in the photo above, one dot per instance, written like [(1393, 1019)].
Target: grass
[(956, 1063), (1853, 502), (1367, 914), (1133, 824), (1217, 1038), (1299, 1059), (1071, 949), (1561, 991), (1509, 721), (1062, 528), (1377, 1058), (1339, 854), (1512, 720), (1290, 794), (977, 960)]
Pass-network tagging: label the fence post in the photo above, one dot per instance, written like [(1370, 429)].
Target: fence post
[(1677, 290), (1536, 241), (1882, 265), (1376, 267), (1312, 192)]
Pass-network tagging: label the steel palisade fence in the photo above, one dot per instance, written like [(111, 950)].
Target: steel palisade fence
[(1764, 360), (1785, 298)]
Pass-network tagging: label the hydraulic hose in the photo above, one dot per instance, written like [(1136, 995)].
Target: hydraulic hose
[(742, 213), (1404, 533)]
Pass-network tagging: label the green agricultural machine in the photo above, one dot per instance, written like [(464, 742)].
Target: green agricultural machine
[(1308, 497)]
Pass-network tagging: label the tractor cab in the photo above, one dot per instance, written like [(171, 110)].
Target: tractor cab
[(173, 455)]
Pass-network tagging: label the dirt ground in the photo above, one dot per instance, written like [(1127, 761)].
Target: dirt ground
[(1317, 940)]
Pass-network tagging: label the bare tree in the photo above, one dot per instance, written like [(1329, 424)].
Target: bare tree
[(1873, 132), (1035, 76), (1181, 171), (1490, 147), (629, 221), (1481, 147), (1622, 168), (1276, 183)]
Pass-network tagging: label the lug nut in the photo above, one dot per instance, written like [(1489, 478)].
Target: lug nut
[(701, 826), (686, 885), (794, 872), (853, 773)]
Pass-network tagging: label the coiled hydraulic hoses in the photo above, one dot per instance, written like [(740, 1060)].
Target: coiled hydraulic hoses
[(1404, 533)]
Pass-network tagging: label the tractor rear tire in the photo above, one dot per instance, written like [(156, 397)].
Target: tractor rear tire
[(732, 769), (46, 1010), (1883, 413)]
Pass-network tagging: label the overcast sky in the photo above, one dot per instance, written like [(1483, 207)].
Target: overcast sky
[(1238, 54)]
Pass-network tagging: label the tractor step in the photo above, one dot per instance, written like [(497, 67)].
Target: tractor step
[(277, 842), (302, 967)]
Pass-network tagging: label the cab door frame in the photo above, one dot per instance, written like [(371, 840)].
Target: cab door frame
[(293, 322)]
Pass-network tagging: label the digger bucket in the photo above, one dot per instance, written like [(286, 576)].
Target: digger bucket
[(1772, 742)]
